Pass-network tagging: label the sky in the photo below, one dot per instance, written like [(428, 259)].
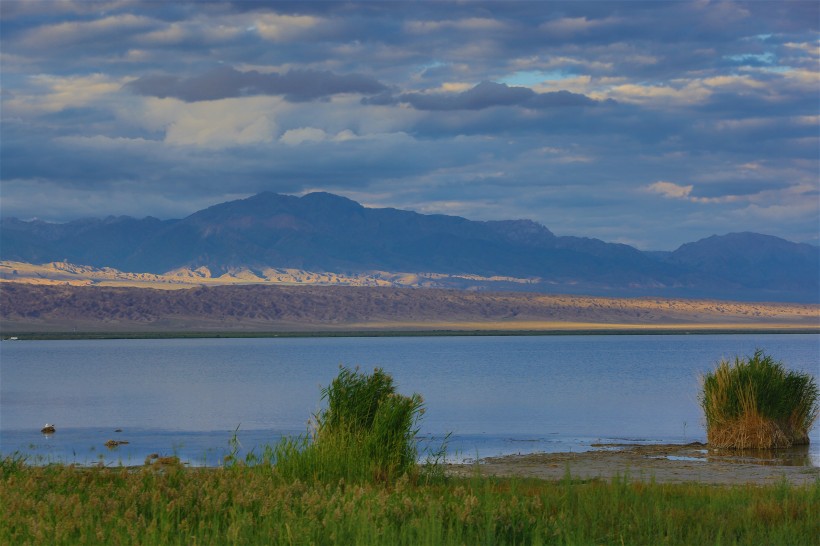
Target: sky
[(646, 123)]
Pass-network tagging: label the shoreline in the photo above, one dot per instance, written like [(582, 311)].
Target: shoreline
[(693, 463), (615, 330), (657, 463)]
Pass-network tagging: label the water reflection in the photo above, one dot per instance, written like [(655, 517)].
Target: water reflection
[(793, 456), (799, 456)]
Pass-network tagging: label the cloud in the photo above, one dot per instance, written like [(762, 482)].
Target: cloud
[(224, 123), (294, 137), (762, 192), (476, 24), (47, 93), (276, 27), (670, 189), (561, 99), (484, 95), (227, 82), (70, 33), (690, 92), (630, 121), (568, 26)]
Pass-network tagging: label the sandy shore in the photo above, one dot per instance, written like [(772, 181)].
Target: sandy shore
[(662, 463)]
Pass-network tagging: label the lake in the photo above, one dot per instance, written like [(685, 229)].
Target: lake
[(495, 395)]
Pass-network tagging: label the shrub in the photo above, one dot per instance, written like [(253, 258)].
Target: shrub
[(756, 403), (367, 432)]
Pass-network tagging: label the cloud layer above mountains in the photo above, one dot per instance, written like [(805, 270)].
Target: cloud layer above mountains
[(649, 123)]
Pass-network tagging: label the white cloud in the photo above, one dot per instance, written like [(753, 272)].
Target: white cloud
[(101, 142), (277, 28), (216, 124), (54, 93), (199, 29), (798, 198), (68, 33), (294, 137), (670, 189), (170, 34), (733, 81), (689, 93), (478, 24)]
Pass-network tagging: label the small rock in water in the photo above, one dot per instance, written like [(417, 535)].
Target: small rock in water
[(111, 444), (48, 429), (117, 430)]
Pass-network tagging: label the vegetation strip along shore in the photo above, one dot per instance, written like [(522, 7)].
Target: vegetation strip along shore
[(23, 335), (255, 504)]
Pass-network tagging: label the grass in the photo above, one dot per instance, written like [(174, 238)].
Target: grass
[(756, 403), (257, 505), (368, 432)]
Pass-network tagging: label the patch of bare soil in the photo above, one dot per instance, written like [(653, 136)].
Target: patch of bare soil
[(675, 463)]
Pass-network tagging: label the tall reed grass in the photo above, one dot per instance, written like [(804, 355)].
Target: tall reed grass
[(367, 432), (59, 505), (756, 403)]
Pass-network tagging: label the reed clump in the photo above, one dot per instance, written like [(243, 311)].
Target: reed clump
[(755, 403), (368, 431)]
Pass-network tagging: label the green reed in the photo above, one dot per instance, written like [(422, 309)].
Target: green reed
[(256, 505), (368, 431), (756, 403)]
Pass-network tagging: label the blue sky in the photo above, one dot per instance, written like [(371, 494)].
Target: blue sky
[(647, 123)]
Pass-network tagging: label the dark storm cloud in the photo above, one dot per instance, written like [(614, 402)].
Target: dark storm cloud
[(563, 117), (227, 82), (484, 95)]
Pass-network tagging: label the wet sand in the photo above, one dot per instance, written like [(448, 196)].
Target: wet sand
[(661, 463)]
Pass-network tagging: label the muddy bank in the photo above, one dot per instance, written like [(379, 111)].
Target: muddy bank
[(664, 463)]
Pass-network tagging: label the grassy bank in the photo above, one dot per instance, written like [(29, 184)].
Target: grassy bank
[(255, 504)]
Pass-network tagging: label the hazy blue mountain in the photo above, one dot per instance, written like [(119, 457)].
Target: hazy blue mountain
[(106, 242), (325, 232), (755, 261), (321, 231)]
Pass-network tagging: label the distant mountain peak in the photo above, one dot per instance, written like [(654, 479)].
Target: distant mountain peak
[(742, 242), (523, 231), (320, 231), (329, 201), (327, 197)]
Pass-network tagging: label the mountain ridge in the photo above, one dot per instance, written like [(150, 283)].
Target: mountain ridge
[(323, 232)]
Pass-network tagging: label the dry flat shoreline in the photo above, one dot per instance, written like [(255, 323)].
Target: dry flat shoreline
[(673, 463)]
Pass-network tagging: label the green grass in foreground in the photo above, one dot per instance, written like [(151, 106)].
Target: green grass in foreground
[(256, 505)]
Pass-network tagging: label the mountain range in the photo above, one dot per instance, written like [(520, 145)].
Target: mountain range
[(328, 233)]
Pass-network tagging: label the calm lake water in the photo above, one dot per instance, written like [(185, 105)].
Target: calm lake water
[(494, 394)]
